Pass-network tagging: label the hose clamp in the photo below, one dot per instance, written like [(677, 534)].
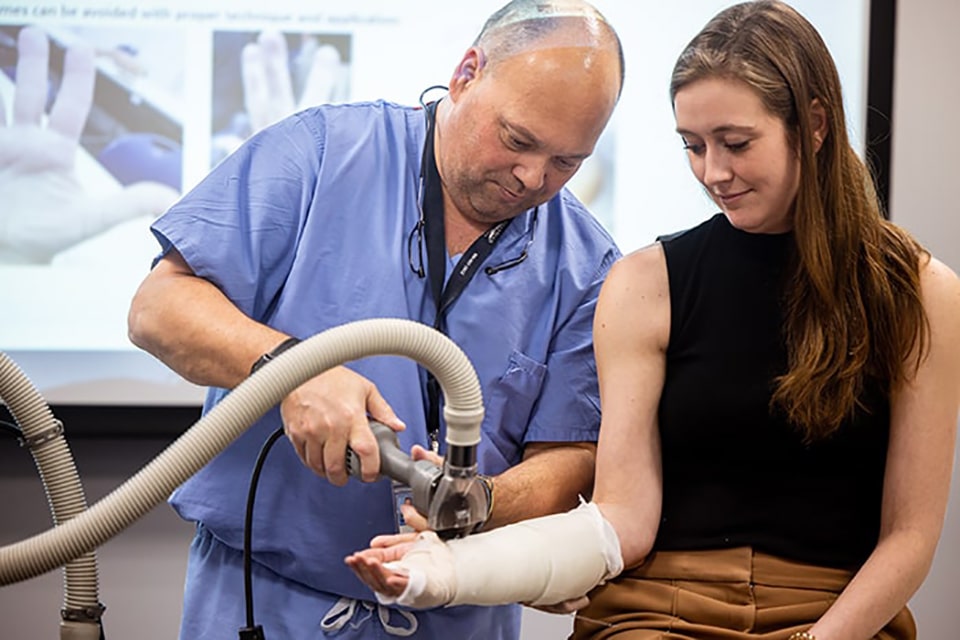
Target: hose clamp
[(83, 614), (43, 437)]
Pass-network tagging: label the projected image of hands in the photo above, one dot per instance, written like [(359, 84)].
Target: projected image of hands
[(260, 78), (57, 192)]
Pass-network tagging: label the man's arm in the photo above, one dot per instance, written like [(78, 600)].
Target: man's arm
[(549, 480), (192, 327), (189, 324)]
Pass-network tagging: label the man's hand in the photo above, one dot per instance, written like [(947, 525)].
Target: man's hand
[(411, 516), (45, 208), (331, 411), (565, 607)]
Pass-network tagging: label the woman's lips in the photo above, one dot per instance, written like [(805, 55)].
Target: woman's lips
[(732, 198)]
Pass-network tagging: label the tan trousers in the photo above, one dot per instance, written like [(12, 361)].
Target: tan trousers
[(729, 594)]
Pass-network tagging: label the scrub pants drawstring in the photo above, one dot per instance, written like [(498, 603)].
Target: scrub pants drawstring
[(344, 609)]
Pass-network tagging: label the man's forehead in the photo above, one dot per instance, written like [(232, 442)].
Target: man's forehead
[(523, 26), (571, 32), (524, 11)]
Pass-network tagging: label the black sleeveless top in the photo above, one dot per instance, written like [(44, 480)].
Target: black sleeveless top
[(734, 471)]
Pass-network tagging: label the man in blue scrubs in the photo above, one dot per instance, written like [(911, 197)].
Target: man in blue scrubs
[(325, 218)]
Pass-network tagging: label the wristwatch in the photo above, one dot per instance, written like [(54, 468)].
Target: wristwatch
[(276, 351)]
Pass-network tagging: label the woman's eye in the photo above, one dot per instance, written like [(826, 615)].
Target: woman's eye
[(696, 149), (737, 146)]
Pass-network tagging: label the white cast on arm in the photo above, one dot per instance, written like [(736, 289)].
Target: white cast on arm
[(540, 561)]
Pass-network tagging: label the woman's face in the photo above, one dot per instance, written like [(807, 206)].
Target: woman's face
[(740, 153)]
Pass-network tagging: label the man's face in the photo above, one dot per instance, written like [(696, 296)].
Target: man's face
[(519, 129)]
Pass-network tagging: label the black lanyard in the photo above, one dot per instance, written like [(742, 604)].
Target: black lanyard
[(466, 268)]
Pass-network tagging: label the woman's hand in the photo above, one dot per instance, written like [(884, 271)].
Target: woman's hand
[(370, 564)]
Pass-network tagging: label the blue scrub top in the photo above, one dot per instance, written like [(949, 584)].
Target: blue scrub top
[(305, 228)]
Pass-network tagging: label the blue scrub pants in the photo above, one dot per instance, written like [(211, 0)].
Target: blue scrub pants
[(213, 607)]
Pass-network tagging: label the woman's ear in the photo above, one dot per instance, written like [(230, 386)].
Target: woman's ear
[(819, 127)]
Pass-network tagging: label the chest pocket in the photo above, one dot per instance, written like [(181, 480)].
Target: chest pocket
[(509, 403)]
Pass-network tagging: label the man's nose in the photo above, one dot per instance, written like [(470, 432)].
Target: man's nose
[(531, 171)]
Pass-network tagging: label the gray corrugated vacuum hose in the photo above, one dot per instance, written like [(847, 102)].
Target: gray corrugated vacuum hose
[(43, 435), (240, 409)]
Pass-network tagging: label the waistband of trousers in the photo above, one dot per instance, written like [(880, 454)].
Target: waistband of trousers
[(738, 564)]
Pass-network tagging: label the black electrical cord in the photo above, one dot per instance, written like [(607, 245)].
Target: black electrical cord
[(10, 428), (253, 631)]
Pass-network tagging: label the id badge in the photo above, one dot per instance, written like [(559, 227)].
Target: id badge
[(402, 494)]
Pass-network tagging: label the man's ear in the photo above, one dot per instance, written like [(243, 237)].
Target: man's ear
[(819, 126), (468, 70)]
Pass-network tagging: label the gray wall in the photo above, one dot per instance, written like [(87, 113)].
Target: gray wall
[(142, 569), (926, 174)]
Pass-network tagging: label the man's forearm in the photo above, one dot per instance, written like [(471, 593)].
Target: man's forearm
[(550, 479)]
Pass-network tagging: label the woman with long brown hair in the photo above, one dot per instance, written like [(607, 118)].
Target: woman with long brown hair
[(779, 386)]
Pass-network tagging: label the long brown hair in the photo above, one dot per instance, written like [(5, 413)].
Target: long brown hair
[(853, 307)]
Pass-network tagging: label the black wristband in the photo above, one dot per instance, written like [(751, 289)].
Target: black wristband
[(487, 483), (276, 351)]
